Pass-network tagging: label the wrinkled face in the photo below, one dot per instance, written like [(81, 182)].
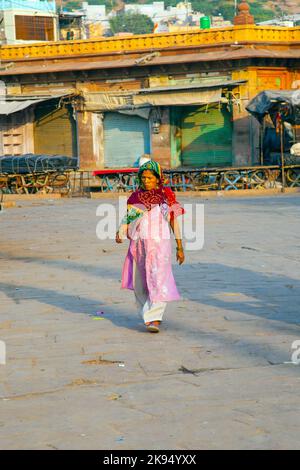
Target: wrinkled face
[(149, 180)]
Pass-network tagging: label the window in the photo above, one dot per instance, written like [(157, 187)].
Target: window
[(31, 28)]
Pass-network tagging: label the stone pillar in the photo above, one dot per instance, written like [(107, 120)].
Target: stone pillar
[(241, 141), (161, 148), (245, 128), (90, 140)]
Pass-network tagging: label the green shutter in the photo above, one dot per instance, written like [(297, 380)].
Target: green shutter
[(125, 139), (206, 136)]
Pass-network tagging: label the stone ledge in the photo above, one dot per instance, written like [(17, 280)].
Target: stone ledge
[(238, 193), (7, 205), (30, 197)]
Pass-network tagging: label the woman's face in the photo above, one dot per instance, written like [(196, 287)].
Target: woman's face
[(149, 180)]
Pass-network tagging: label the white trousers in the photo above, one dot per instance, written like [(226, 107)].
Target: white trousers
[(149, 311)]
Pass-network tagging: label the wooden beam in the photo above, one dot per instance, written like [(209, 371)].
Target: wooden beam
[(185, 67), (163, 68)]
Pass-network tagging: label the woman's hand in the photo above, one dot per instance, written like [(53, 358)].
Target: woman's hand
[(122, 233), (176, 230), (118, 238), (180, 255)]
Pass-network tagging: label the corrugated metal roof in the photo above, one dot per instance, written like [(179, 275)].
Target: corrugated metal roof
[(236, 52)]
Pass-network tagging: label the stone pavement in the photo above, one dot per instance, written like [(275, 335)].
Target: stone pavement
[(216, 377)]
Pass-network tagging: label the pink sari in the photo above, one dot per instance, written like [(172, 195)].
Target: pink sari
[(151, 251)]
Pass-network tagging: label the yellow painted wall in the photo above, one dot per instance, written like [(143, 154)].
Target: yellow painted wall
[(286, 37)]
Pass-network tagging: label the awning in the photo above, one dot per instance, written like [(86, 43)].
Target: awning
[(107, 102), (101, 101), (172, 98), (12, 105), (191, 94)]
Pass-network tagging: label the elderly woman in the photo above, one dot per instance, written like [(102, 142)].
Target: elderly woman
[(151, 211)]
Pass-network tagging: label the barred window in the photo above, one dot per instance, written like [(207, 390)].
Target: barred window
[(30, 28)]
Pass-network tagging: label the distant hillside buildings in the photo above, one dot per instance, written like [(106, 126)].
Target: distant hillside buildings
[(39, 20), (288, 21)]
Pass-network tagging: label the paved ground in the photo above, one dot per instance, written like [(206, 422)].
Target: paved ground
[(214, 378)]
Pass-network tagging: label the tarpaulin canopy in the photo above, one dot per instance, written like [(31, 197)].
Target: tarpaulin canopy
[(191, 94), (32, 163), (108, 102), (287, 102), (171, 98), (10, 105), (101, 101)]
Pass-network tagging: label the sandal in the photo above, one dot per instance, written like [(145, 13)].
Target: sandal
[(153, 326)]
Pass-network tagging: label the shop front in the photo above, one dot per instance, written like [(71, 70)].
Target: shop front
[(202, 135), (126, 138), (38, 125)]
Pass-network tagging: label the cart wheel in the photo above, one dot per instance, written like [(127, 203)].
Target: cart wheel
[(176, 181), (39, 183), (196, 181), (188, 180), (29, 184), (205, 181), (122, 185), (293, 177), (59, 183), (4, 184), (17, 184), (109, 183), (257, 179), (130, 181), (232, 180)]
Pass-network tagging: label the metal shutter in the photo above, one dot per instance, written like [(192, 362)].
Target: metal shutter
[(54, 131), (125, 139), (206, 136)]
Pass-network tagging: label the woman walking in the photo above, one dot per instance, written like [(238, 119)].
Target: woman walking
[(151, 211)]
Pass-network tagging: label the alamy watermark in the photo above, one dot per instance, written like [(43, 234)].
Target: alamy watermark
[(191, 225), (2, 353), (295, 358), (296, 354)]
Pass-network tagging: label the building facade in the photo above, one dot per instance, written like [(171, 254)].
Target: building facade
[(71, 26), (179, 96), (28, 21)]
